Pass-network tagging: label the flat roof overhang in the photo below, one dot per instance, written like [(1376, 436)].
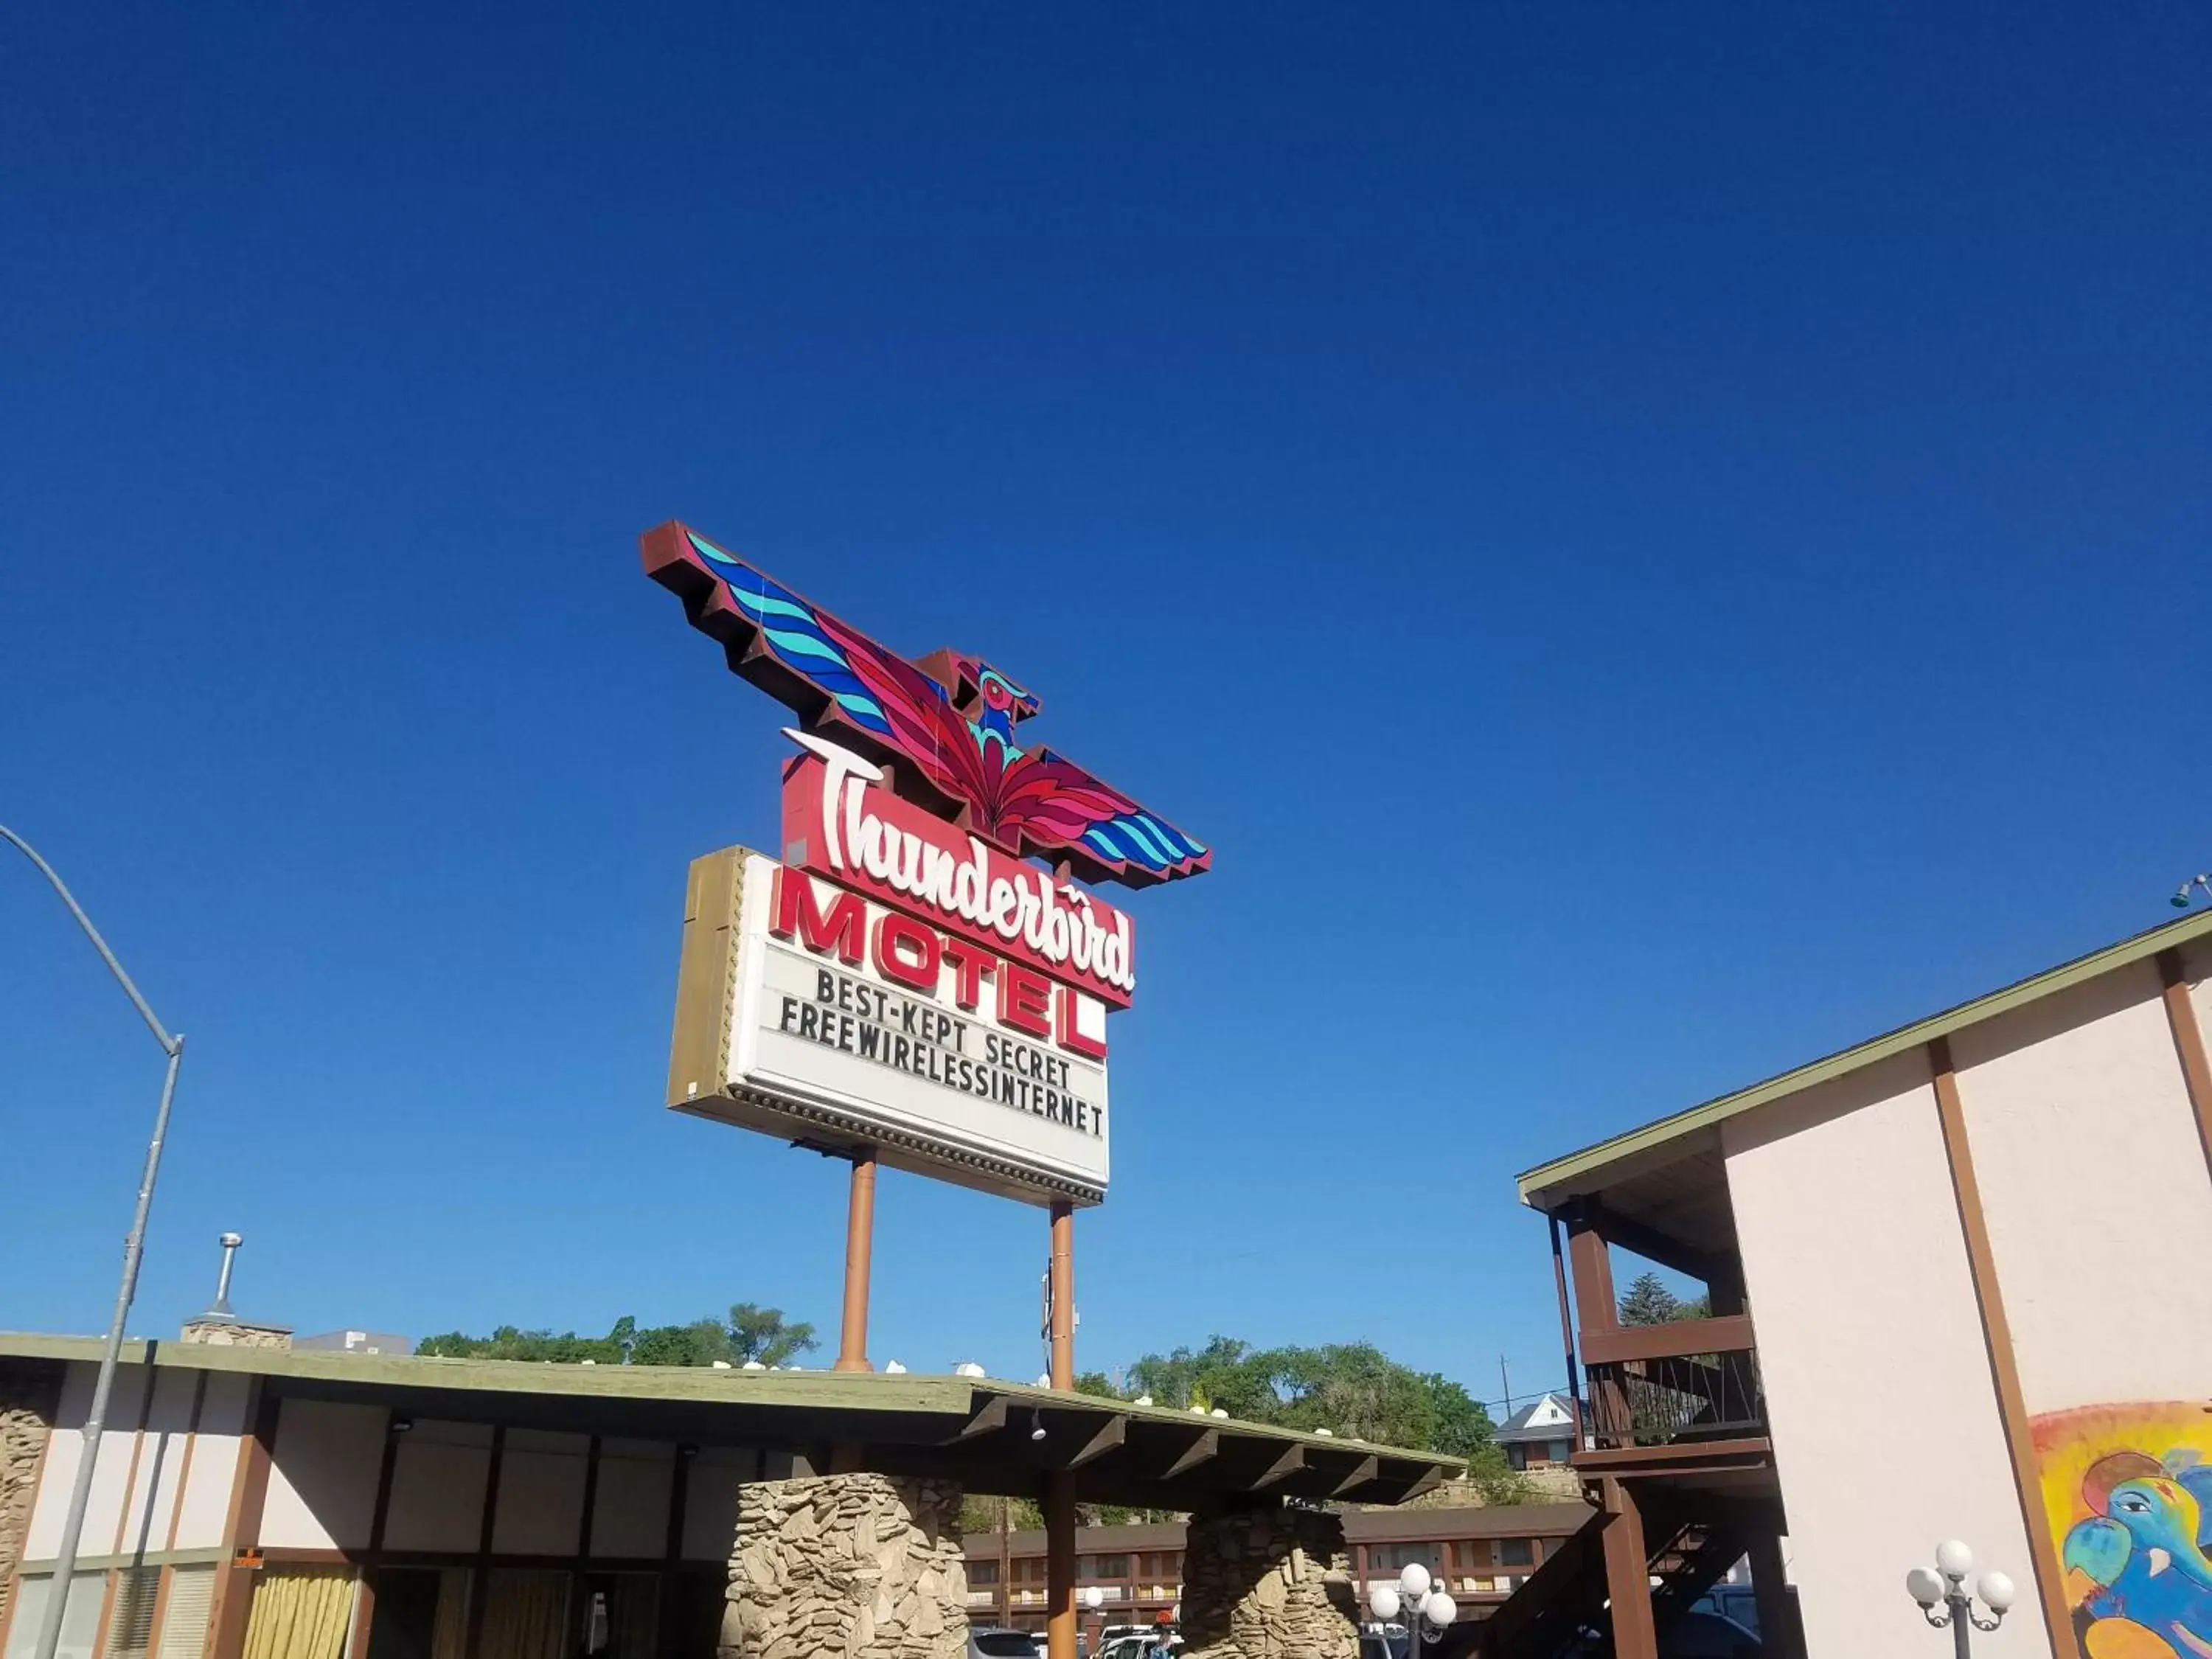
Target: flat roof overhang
[(977, 1431)]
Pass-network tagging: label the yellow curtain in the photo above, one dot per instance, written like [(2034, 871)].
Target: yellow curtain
[(526, 1615), (299, 1615), (449, 1639)]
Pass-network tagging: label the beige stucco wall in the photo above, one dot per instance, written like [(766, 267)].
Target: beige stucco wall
[(322, 1480), (2096, 1193), (541, 1493), (136, 1501), (1886, 1429)]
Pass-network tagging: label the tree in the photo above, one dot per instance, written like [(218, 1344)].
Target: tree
[(752, 1332), (1350, 1388), (1647, 1301), (760, 1334)]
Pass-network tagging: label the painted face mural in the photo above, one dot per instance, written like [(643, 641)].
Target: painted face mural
[(2129, 1491)]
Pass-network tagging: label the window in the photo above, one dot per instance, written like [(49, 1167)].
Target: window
[(1390, 1557), (1112, 1566), (185, 1621), (131, 1623), (1516, 1552), (80, 1623), (1561, 1450), (982, 1572)]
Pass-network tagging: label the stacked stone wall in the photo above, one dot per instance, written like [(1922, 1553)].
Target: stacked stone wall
[(236, 1333), (1268, 1582), (847, 1566), (29, 1393)]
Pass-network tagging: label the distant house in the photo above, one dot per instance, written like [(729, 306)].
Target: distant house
[(1540, 1436)]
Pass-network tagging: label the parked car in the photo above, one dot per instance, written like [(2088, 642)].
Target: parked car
[(986, 1642)]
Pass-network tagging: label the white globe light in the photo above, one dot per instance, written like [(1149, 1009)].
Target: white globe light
[(1997, 1589), (1093, 1597), (1440, 1608), (1923, 1587), (1954, 1559), (1383, 1601), (1413, 1583)]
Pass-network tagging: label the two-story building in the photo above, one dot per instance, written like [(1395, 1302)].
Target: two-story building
[(1957, 1277), (1481, 1555)]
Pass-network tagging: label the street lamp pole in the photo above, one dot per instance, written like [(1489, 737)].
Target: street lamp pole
[(1947, 1588), (50, 1626)]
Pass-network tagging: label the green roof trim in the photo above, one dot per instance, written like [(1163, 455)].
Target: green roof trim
[(954, 1398), (2125, 953)]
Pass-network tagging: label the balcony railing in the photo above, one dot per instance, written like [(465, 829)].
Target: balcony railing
[(1658, 1385)]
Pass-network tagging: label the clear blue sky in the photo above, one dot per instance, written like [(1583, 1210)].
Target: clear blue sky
[(1654, 544)]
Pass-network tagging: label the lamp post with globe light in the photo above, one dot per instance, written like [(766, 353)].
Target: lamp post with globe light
[(1946, 1587), (1427, 1610), (1093, 1598)]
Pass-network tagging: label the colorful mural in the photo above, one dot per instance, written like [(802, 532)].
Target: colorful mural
[(947, 722), (2129, 1491)]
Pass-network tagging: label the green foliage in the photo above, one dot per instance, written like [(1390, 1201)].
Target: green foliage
[(1351, 1389), (1647, 1301), (752, 1332), (760, 1333)]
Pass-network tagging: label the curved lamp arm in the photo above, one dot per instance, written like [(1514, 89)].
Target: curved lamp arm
[(49, 1627), (169, 1044)]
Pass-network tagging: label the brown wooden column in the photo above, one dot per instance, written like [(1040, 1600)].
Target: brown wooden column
[(1567, 1331), (1780, 1636), (1059, 1621), (1997, 1342), (859, 1232), (2189, 1044), (1063, 1294), (1627, 1573), (241, 1532), (1059, 1487), (1597, 1309)]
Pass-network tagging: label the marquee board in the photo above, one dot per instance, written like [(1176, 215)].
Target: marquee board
[(810, 1012)]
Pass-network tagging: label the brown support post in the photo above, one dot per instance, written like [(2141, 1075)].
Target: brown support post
[(860, 1230), (2189, 1044), (1058, 1551), (1997, 1342), (1596, 1309), (1780, 1636), (480, 1582), (1566, 1332), (1063, 1294), (1627, 1574), (242, 1532), (1005, 1561)]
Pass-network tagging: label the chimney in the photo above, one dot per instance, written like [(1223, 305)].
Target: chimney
[(220, 1325)]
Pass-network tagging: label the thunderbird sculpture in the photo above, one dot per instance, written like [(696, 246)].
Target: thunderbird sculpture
[(944, 724)]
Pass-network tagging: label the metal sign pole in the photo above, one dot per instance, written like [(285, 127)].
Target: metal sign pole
[(50, 1626)]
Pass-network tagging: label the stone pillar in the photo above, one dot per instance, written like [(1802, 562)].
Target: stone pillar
[(847, 1566), (1268, 1582), (29, 1393)]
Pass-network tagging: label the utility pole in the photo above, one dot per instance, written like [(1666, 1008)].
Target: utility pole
[(134, 1245)]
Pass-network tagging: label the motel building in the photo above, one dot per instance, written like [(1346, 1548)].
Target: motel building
[(257, 1502), (1959, 1287), (1479, 1554)]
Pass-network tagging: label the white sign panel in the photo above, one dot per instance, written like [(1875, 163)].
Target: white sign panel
[(853, 1021)]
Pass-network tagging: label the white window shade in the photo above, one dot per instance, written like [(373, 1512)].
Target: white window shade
[(185, 1621)]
